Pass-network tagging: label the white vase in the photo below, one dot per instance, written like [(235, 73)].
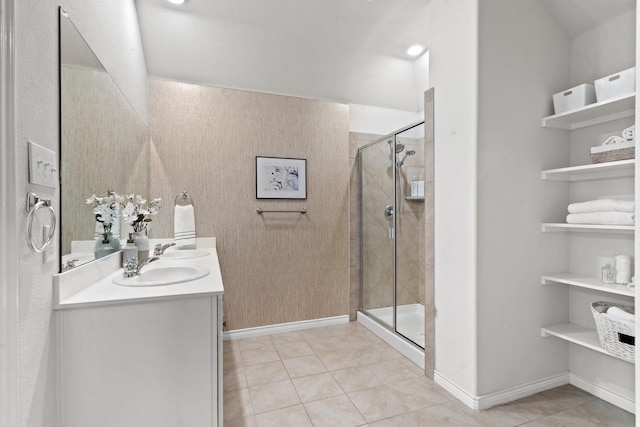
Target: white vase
[(141, 241)]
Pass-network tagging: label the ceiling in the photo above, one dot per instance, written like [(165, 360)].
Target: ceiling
[(350, 51)]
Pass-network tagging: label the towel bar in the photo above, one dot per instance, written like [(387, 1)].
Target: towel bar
[(300, 211)]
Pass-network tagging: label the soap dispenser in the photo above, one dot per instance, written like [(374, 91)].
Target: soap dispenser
[(130, 250)]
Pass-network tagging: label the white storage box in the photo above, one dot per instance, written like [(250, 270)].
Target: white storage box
[(616, 85), (574, 98)]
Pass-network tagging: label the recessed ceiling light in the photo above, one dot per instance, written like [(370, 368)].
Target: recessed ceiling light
[(415, 50), (176, 1)]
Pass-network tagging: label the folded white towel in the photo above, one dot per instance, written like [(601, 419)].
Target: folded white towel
[(629, 133), (622, 143), (619, 313), (602, 205), (184, 227), (602, 218)]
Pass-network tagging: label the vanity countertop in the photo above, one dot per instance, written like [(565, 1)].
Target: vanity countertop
[(92, 284)]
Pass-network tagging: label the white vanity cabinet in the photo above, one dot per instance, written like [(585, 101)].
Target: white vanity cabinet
[(143, 356), (141, 364)]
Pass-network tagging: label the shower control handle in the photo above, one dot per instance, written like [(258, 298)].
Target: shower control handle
[(388, 212)]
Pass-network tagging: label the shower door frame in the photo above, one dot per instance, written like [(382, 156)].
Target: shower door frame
[(393, 327)]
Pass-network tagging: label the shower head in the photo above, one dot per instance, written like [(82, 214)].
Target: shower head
[(401, 162), (399, 146)]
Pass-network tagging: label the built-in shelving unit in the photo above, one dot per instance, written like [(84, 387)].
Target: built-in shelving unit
[(589, 228), (619, 169), (593, 114), (590, 115), (587, 282), (585, 337)]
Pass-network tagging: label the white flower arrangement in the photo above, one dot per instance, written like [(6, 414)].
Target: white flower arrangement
[(105, 209), (137, 213)]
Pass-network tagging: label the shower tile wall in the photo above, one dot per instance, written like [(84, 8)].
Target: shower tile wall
[(276, 268), (410, 232)]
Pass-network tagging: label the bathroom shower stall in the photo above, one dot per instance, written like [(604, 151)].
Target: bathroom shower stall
[(396, 217)]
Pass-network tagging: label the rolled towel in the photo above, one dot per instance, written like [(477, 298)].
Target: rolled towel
[(614, 140), (629, 133), (621, 144), (619, 313), (184, 227), (602, 218), (602, 205)]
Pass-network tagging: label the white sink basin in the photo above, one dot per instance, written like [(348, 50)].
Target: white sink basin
[(159, 276), (185, 253)]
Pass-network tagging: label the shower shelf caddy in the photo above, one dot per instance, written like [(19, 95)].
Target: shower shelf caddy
[(589, 115)]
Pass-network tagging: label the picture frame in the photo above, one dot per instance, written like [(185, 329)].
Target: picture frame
[(281, 178)]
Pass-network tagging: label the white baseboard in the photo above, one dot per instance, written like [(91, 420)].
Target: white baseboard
[(508, 395), (464, 397), (514, 393), (284, 327), (625, 402)]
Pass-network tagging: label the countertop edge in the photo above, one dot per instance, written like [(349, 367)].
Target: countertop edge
[(88, 294)]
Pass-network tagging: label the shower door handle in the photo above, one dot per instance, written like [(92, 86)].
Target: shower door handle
[(388, 215), (388, 212)]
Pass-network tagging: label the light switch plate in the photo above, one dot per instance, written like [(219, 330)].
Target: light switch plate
[(43, 166)]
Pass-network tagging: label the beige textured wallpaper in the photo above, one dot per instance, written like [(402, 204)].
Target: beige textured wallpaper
[(278, 267), (104, 146)]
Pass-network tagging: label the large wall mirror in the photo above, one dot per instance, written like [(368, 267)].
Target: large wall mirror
[(103, 144)]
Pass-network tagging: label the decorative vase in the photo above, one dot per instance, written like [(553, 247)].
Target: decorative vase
[(114, 242), (105, 245), (141, 241)]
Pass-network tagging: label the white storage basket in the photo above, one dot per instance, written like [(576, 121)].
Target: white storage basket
[(574, 98), (616, 85), (616, 337)]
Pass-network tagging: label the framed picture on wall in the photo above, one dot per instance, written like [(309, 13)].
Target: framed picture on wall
[(281, 178)]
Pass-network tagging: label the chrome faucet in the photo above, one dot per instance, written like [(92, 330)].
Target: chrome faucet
[(132, 267), (70, 264), (160, 248)]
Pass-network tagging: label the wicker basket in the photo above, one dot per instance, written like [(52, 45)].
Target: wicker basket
[(614, 155), (617, 338)]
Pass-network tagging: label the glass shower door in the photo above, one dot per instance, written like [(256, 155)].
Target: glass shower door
[(377, 250), (410, 233)]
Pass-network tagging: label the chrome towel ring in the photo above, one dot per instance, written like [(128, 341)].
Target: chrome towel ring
[(35, 203)]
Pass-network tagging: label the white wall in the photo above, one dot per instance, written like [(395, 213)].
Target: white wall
[(604, 50), (383, 121), (112, 30), (453, 56), (524, 58), (379, 120)]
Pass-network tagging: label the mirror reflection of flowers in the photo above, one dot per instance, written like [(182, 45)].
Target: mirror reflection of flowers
[(105, 209), (137, 213)]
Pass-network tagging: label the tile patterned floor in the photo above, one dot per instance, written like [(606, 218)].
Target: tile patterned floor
[(346, 376)]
